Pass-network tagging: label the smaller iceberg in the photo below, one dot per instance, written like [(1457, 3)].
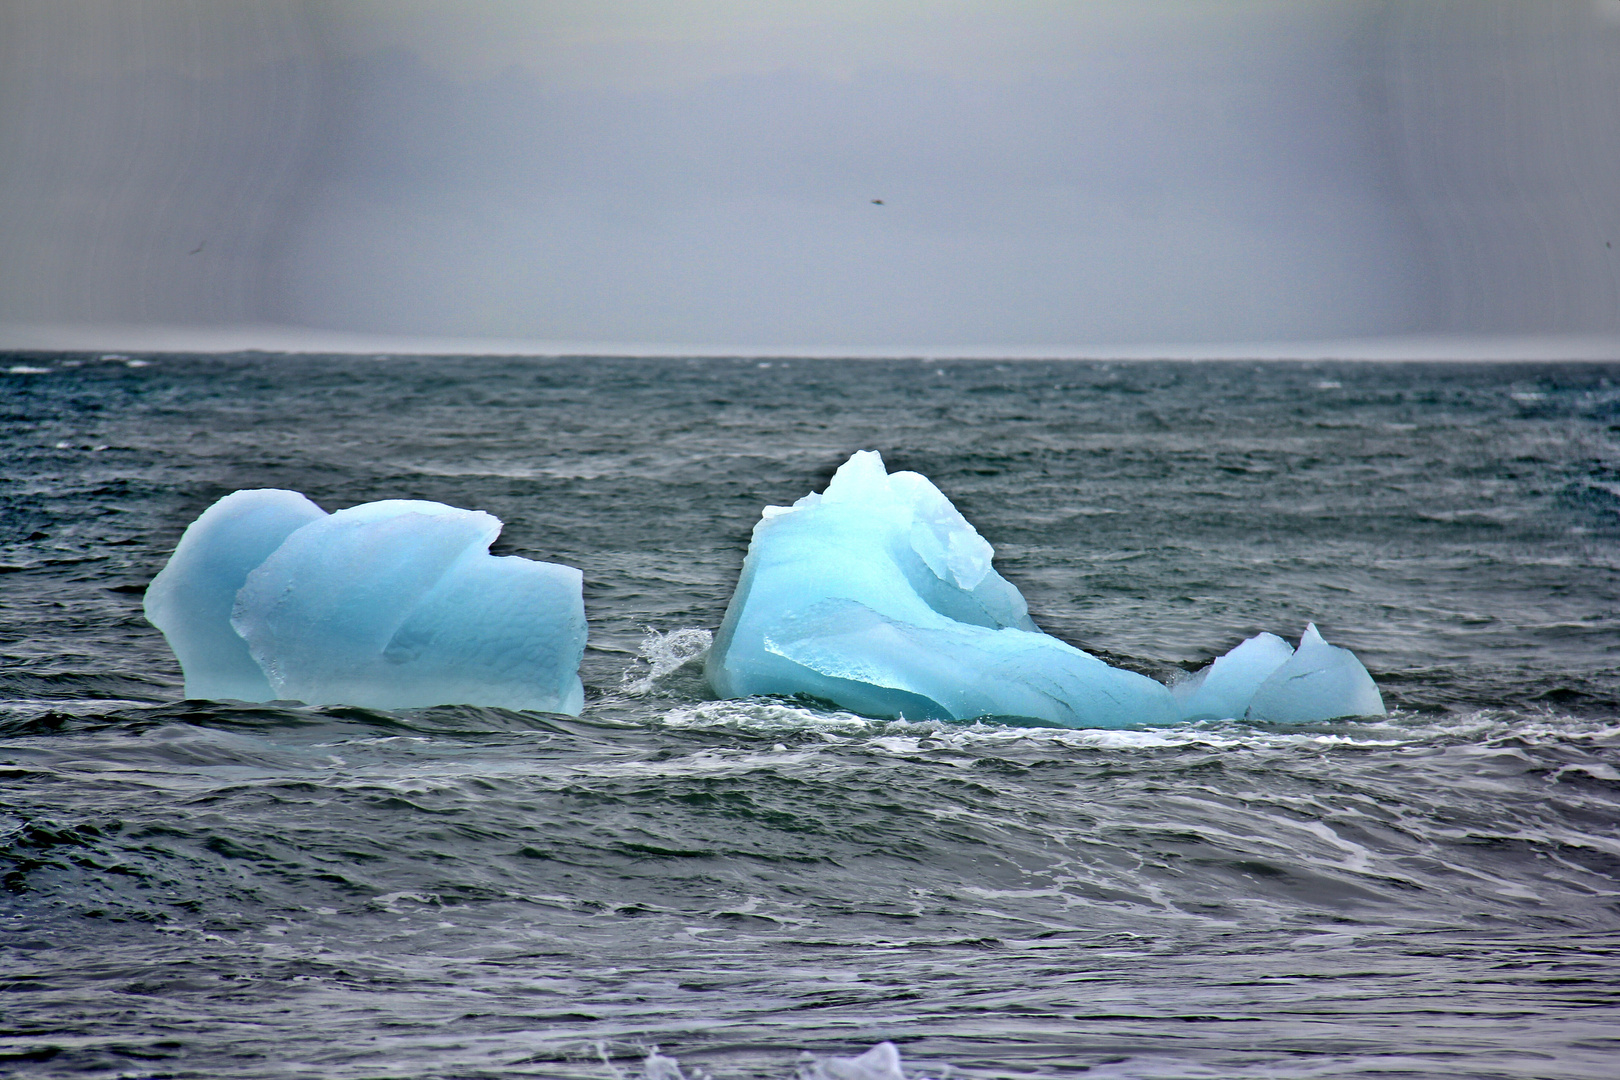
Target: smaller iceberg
[(1223, 690), (882, 1062), (1266, 679), (394, 604), (1319, 682), (878, 596)]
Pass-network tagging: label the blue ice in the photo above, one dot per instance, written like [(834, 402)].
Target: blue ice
[(878, 596), (394, 604), (1223, 690), (191, 598), (1319, 682), (1266, 679)]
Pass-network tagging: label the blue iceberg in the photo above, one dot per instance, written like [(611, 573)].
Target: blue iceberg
[(1319, 682), (191, 598), (1223, 690), (394, 604), (875, 595), (878, 596), (1266, 679)]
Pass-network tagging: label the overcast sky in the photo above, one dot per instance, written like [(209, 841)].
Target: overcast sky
[(1063, 173)]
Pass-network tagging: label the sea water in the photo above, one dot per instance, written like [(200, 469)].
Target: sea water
[(760, 888)]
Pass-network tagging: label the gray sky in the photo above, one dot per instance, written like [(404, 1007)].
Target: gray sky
[(1052, 174)]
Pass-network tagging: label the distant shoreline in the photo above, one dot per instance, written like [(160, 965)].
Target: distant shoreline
[(284, 340)]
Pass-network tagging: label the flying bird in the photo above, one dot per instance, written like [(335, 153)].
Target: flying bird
[(877, 202)]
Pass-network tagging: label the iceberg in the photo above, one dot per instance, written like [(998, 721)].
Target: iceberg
[(882, 1062), (1265, 679), (878, 596), (1319, 682), (191, 598), (1223, 690), (394, 604)]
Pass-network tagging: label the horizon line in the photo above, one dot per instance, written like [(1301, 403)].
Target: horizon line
[(279, 339)]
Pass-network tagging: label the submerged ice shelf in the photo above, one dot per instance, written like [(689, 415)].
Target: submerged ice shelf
[(878, 596), (393, 604)]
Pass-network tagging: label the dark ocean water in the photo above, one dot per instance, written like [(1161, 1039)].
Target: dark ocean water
[(197, 889)]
